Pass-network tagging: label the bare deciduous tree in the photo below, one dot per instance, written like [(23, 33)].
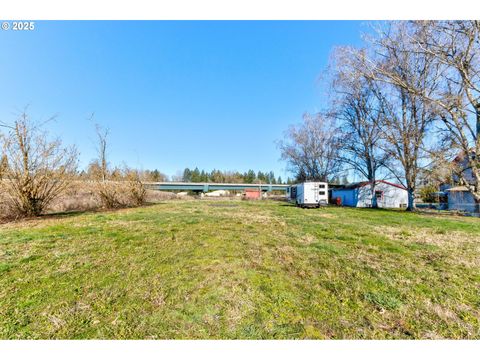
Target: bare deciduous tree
[(396, 66), (357, 108), (38, 169), (102, 136), (311, 149), (455, 47), (108, 191), (115, 187)]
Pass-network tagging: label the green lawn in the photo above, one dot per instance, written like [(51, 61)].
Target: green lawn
[(236, 269)]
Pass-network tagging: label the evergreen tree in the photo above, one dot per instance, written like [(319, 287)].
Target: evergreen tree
[(187, 175), (250, 177), (203, 176), (261, 176), (195, 176), (271, 177)]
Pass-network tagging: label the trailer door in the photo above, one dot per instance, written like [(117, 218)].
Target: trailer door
[(316, 196)]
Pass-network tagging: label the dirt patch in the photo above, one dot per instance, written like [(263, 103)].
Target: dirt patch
[(307, 239), (327, 215), (286, 255), (255, 218)]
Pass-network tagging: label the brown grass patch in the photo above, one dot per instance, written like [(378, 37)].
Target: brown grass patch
[(452, 242), (429, 236), (307, 239), (254, 218)]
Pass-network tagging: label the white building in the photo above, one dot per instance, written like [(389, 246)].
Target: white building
[(389, 195)]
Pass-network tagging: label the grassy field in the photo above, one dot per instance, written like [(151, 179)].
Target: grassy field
[(236, 269)]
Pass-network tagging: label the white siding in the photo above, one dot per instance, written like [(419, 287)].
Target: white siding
[(393, 197)]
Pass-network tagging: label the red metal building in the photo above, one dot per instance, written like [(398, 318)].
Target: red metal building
[(253, 194)]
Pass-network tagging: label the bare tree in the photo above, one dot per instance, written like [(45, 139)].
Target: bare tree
[(117, 187), (107, 190), (311, 148), (455, 47), (357, 109), (102, 136), (38, 170), (396, 66)]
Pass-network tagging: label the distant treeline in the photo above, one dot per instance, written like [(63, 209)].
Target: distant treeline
[(94, 171), (217, 176)]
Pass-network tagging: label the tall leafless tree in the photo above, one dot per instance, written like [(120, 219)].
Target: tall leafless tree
[(455, 47), (312, 148), (108, 192), (395, 66), (357, 108), (102, 143)]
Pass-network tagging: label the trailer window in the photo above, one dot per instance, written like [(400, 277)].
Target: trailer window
[(293, 192), (321, 186), (379, 194), (321, 193)]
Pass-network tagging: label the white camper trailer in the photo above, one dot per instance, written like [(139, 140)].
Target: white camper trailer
[(308, 194)]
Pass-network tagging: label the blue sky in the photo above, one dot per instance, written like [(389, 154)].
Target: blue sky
[(174, 94)]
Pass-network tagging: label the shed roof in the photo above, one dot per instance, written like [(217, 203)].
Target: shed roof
[(365, 183), (457, 188)]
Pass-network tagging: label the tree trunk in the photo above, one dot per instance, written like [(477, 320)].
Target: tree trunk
[(374, 197), (411, 198)]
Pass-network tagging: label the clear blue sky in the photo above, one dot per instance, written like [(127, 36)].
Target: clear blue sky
[(174, 94)]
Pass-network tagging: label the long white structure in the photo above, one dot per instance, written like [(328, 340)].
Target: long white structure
[(388, 195)]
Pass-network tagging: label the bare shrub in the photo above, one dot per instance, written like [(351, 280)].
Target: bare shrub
[(80, 196), (36, 170), (3, 164), (106, 190), (136, 190), (108, 193), (157, 196), (4, 210)]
